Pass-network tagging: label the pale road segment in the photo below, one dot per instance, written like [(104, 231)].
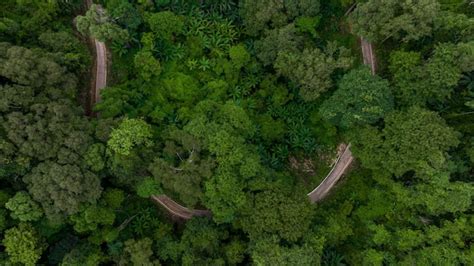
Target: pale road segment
[(101, 69), (178, 210), (342, 163)]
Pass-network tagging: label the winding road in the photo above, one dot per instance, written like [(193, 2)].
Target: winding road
[(345, 159), (100, 76), (320, 192), (342, 164)]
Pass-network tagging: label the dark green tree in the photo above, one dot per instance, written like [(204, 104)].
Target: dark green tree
[(61, 189), (401, 20)]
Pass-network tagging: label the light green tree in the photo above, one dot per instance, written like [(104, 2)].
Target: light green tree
[(147, 65), (23, 207), (23, 244), (129, 134)]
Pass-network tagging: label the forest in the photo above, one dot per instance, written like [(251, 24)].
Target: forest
[(234, 110)]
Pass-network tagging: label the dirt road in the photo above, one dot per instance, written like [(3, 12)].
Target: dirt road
[(101, 69), (100, 74), (178, 210), (341, 165), (368, 54)]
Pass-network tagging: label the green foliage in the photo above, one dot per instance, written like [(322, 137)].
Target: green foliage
[(216, 33), (149, 187), (91, 217), (125, 14), (361, 98), (83, 254), (113, 197), (413, 140), (140, 251), (202, 243), (261, 15), (62, 188), (244, 102), (181, 169), (432, 81), (165, 24), (23, 244), (276, 41), (35, 69), (400, 20), (95, 157), (308, 24), (129, 134), (269, 252), (277, 213), (239, 55), (146, 65), (23, 207), (312, 68), (98, 24)]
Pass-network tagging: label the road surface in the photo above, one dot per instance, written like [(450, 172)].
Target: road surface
[(340, 167), (178, 210), (101, 69), (100, 74), (368, 54)]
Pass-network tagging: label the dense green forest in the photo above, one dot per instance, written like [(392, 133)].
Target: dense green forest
[(237, 107)]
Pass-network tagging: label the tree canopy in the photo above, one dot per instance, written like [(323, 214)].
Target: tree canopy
[(219, 117)]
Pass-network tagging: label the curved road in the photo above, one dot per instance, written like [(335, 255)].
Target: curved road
[(345, 159), (177, 210), (342, 164)]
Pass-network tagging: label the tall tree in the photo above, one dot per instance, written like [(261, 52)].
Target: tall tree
[(23, 207), (23, 244), (261, 15), (98, 24), (61, 189), (361, 98), (404, 20), (312, 68), (413, 140), (129, 133)]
